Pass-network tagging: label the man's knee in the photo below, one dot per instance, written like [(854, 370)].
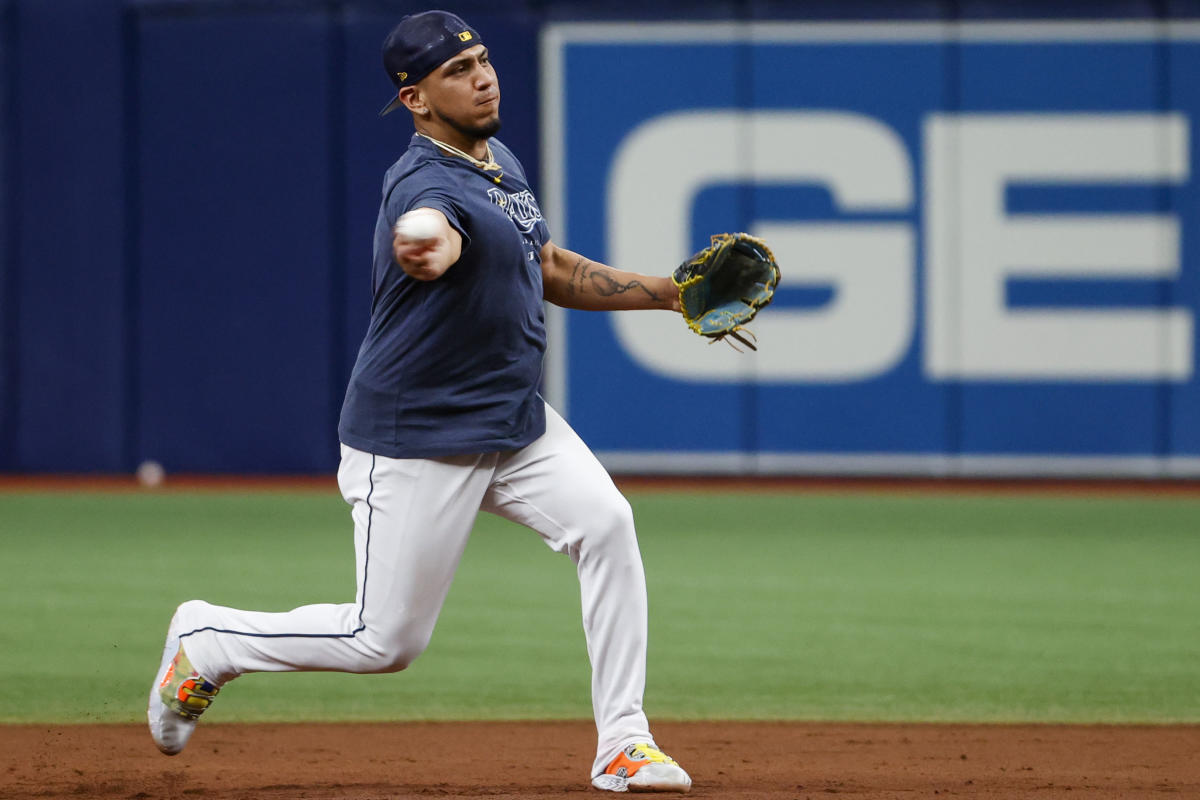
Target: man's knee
[(610, 524), (392, 652), (619, 516)]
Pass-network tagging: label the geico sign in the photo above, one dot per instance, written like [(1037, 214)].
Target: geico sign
[(972, 245)]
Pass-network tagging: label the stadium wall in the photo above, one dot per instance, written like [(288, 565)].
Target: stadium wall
[(189, 190)]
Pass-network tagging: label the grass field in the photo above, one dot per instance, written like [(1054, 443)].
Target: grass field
[(854, 606)]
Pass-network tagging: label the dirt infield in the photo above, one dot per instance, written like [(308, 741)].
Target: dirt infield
[(763, 761)]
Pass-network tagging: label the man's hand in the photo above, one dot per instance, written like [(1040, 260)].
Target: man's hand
[(425, 244)]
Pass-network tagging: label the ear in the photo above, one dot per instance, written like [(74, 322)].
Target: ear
[(414, 100)]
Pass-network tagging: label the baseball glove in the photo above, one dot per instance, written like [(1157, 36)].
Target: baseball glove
[(722, 287)]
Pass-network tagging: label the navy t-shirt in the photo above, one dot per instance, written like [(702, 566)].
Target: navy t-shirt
[(453, 365)]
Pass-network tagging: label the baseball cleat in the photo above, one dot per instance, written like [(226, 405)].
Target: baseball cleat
[(643, 768), (178, 696)]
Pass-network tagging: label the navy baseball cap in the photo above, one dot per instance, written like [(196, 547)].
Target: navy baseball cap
[(419, 44)]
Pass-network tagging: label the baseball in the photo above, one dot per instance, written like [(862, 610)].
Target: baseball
[(419, 224), (151, 474)]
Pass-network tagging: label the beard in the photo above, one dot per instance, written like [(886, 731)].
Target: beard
[(484, 130)]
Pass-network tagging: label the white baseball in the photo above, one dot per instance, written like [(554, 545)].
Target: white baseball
[(419, 224), (151, 474)]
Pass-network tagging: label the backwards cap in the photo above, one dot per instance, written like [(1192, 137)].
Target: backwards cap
[(419, 44)]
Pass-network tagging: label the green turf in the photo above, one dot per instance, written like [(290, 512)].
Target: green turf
[(781, 606)]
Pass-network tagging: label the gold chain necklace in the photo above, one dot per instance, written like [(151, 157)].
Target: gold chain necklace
[(487, 166)]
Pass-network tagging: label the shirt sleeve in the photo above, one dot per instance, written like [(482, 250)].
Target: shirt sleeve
[(541, 233), (427, 188)]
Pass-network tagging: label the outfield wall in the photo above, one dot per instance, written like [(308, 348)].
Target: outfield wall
[(990, 231)]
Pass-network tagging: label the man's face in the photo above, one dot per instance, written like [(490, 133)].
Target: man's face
[(463, 93)]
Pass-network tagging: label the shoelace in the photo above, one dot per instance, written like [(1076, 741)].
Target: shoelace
[(195, 695), (644, 752)]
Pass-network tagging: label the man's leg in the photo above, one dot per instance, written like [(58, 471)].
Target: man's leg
[(557, 487), (412, 519)]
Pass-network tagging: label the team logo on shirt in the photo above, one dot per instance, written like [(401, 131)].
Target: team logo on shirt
[(521, 207)]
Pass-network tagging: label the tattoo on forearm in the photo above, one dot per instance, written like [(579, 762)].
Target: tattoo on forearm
[(602, 282), (576, 277), (604, 285)]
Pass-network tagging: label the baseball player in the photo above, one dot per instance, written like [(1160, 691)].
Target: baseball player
[(442, 418)]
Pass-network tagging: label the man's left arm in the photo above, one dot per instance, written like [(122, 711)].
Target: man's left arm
[(573, 281)]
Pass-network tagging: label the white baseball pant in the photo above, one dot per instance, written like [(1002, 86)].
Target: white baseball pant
[(412, 518)]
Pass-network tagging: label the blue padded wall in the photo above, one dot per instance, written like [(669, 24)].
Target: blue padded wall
[(188, 190)]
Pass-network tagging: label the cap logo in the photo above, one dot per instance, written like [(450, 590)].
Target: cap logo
[(465, 36), (402, 76)]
